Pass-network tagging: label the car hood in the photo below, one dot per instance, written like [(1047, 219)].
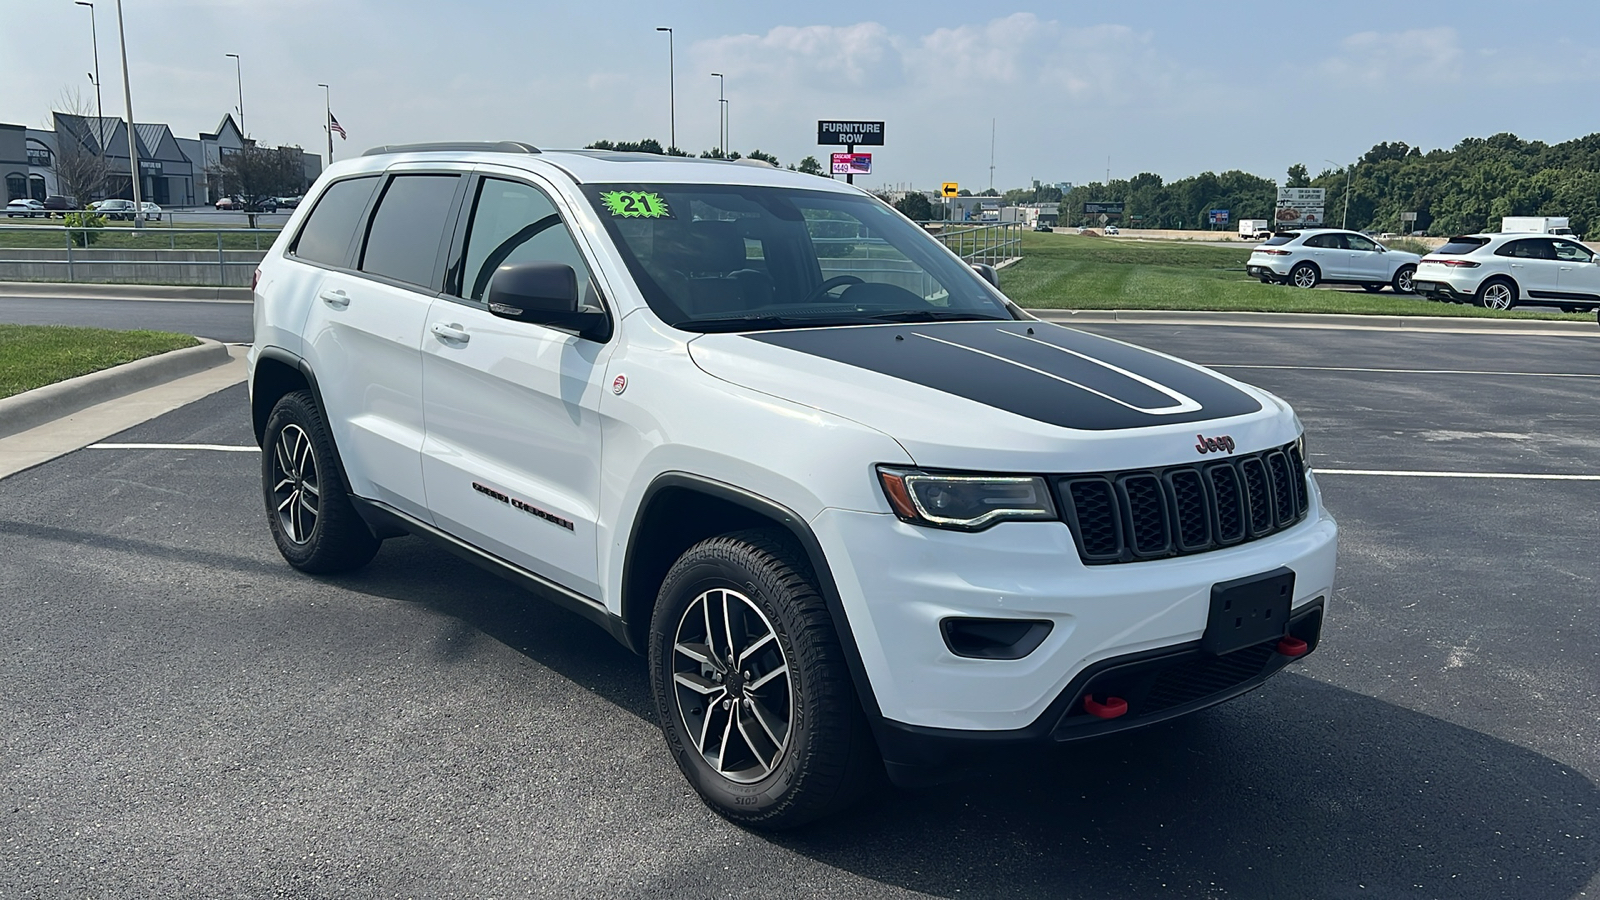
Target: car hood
[(1002, 395)]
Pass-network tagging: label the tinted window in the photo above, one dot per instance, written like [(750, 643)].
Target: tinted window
[(1460, 245), (403, 241), (514, 223), (327, 232), (1357, 242), (1326, 241), (1538, 248), (1284, 238)]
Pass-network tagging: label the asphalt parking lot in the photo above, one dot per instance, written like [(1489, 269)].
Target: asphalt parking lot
[(184, 715)]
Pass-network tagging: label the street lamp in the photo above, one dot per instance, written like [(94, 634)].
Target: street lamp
[(127, 103), (672, 89), (327, 117), (99, 105), (722, 116), (238, 73), (1348, 173)]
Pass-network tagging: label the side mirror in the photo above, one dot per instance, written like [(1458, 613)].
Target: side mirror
[(987, 273), (544, 293)]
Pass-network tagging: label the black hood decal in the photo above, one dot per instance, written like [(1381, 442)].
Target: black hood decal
[(1041, 371)]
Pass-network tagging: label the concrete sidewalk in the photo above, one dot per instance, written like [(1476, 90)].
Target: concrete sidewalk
[(81, 290)]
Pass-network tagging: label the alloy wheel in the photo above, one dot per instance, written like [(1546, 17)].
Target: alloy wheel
[(1405, 279), (732, 686), (1497, 296), (296, 489), (1304, 277)]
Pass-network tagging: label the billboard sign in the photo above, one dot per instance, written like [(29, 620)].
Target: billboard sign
[(1219, 217), (863, 134), (1108, 208), (1300, 207), (852, 163)]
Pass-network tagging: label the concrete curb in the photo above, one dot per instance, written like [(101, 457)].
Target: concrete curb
[(1438, 324), (80, 290), (53, 401)]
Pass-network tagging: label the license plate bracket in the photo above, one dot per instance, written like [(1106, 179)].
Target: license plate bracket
[(1247, 611)]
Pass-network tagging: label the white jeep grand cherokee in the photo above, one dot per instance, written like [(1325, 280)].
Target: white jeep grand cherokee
[(857, 508)]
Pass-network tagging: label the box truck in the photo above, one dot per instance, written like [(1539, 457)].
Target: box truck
[(1538, 225), (1254, 229)]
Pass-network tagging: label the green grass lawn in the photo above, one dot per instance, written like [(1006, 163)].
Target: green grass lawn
[(33, 356), (123, 236), (1061, 271)]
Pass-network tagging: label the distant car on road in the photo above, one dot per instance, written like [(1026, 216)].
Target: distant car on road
[(229, 203), (1112, 229), (1499, 271), (290, 202), (265, 204), (57, 203), (1333, 255), (150, 211), (26, 208), (1043, 227), (116, 210)]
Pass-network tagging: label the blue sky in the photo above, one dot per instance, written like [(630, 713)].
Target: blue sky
[(1169, 87)]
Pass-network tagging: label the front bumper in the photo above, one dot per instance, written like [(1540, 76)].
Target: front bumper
[(898, 582)]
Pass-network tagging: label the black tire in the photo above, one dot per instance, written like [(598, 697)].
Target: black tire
[(825, 758), (1496, 293), (1405, 280), (1304, 275), (308, 505), (1372, 288)]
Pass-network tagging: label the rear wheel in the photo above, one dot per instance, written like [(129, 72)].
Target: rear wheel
[(1497, 293), (751, 687), (1305, 275), (1405, 280), (308, 508)]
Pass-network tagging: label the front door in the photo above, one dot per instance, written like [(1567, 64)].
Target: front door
[(1576, 271), (512, 454), (1533, 266), (1367, 264)]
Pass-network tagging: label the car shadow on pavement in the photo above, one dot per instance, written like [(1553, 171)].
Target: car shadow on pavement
[(1300, 789)]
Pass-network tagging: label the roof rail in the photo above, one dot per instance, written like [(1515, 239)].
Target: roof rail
[(455, 147)]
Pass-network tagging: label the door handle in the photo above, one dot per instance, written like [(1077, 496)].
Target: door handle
[(335, 298), (451, 332)]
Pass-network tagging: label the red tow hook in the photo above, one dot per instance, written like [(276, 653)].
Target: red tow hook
[(1113, 707), (1292, 646)]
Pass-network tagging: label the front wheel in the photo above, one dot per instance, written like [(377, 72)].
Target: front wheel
[(308, 508), (1405, 280), (751, 687), (1497, 293), (1304, 276)]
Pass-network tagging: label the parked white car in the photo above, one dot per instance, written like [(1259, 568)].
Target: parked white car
[(26, 208), (1311, 257), (150, 212), (1499, 271), (857, 517)]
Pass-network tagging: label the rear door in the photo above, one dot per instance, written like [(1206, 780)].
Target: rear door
[(512, 456), (365, 327)]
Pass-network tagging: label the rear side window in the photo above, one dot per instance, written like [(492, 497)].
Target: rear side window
[(1284, 238), (407, 230), (1536, 248), (326, 236), (1458, 246)]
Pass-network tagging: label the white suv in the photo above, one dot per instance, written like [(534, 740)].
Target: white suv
[(858, 509), (1499, 271), (1332, 255)]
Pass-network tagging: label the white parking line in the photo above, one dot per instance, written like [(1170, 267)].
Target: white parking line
[(1497, 475), (1407, 371), (226, 448)]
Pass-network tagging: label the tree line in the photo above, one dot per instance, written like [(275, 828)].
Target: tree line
[(1467, 188)]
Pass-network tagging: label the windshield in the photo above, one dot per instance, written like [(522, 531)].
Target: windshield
[(738, 258)]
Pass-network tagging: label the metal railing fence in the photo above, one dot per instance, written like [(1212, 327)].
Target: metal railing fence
[(990, 243), (78, 250)]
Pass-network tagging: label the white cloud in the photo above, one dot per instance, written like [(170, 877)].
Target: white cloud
[(1419, 57)]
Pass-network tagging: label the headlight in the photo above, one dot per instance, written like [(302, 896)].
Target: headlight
[(965, 502)]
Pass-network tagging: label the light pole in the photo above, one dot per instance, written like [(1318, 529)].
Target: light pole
[(722, 116), (327, 117), (672, 90), (1348, 174), (238, 74), (99, 105), (127, 103)]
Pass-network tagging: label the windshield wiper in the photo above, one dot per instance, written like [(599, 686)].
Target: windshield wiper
[(764, 321), (934, 315)]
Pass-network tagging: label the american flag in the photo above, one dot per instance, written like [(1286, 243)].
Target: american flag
[(334, 124)]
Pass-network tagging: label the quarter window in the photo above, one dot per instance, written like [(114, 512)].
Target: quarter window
[(1535, 248), (512, 223), (326, 236), (408, 228)]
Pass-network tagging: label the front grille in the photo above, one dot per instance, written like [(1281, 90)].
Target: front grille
[(1119, 517)]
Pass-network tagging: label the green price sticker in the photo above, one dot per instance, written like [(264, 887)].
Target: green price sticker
[(635, 204)]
